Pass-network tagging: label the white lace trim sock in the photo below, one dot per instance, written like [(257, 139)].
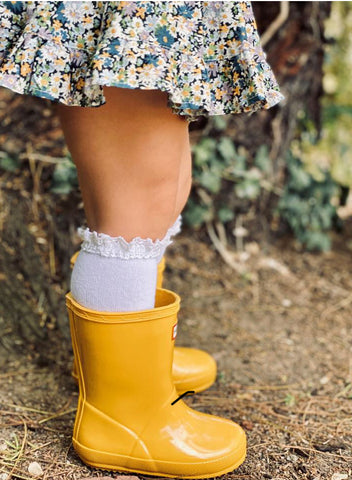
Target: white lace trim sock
[(113, 275)]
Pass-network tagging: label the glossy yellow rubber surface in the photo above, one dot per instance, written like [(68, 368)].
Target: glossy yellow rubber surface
[(192, 369), (125, 419), (160, 277), (74, 258)]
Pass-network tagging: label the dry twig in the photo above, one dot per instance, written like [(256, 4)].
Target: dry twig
[(276, 24)]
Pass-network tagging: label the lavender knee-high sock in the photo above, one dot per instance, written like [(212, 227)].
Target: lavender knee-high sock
[(113, 275)]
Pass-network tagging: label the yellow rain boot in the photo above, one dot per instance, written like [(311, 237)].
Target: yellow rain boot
[(192, 368), (129, 415), (160, 277)]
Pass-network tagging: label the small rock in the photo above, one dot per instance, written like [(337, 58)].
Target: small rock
[(324, 380), (4, 476), (35, 469), (240, 232), (3, 447), (286, 302), (243, 256), (339, 476), (252, 248)]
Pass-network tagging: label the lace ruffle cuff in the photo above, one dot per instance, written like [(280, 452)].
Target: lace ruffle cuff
[(117, 247)]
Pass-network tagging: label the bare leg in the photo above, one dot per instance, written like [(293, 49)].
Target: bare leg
[(133, 160)]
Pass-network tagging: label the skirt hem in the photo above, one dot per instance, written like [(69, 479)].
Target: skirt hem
[(199, 80), (191, 114)]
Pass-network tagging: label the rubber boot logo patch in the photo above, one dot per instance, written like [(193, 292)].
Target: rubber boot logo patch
[(174, 332)]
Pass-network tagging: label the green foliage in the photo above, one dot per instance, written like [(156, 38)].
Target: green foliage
[(9, 164), (196, 213), (64, 177), (306, 205), (306, 202), (220, 169), (335, 143), (262, 159), (225, 214), (290, 400), (248, 187)]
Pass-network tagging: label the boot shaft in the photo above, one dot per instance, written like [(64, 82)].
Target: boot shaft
[(129, 354)]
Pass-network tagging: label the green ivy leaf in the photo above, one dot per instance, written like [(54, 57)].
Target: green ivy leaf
[(64, 177), (225, 214), (195, 215), (227, 149), (300, 179), (262, 160), (248, 189), (210, 181), (317, 241), (204, 151), (10, 164)]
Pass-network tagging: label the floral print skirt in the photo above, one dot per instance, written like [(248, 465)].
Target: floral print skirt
[(206, 55)]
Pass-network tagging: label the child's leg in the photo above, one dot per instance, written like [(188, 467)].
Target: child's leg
[(133, 160), (134, 167)]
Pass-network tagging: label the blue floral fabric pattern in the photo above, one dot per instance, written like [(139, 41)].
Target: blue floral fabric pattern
[(206, 55)]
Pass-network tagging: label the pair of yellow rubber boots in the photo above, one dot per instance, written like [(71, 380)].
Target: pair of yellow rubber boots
[(130, 416)]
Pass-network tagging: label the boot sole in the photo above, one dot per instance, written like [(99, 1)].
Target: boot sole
[(81, 451)]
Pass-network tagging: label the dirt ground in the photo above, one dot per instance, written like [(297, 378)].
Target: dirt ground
[(281, 336)]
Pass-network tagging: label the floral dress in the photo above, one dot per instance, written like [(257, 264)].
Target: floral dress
[(205, 55)]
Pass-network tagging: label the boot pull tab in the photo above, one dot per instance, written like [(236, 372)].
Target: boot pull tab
[(189, 392)]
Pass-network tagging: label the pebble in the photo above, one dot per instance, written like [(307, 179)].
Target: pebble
[(324, 380), (35, 469), (286, 302)]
